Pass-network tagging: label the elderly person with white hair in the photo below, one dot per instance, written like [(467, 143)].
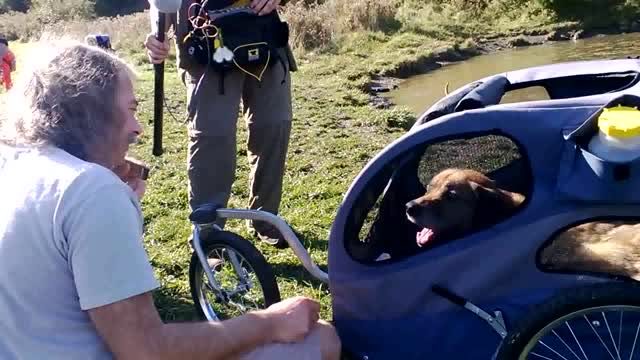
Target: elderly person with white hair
[(75, 280)]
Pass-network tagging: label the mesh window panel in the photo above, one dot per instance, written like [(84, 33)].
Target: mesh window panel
[(386, 228)]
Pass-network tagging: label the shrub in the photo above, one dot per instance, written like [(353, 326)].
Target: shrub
[(55, 11), (316, 24)]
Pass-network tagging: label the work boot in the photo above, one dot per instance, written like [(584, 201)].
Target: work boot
[(269, 234)]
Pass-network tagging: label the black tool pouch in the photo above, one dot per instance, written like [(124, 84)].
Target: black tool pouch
[(236, 38)]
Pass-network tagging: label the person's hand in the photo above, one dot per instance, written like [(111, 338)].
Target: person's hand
[(156, 51), (292, 318), (264, 7), (138, 186), (131, 174)]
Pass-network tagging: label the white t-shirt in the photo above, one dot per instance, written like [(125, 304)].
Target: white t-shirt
[(70, 240)]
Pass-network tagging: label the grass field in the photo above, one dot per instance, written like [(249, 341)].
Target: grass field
[(335, 132)]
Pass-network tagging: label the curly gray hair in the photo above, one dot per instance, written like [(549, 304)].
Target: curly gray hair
[(67, 102)]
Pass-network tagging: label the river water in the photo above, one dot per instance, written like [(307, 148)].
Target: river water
[(421, 91)]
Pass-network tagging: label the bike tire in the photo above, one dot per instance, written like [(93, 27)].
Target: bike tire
[(243, 247), (568, 301)]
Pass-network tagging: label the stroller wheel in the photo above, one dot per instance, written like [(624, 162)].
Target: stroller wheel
[(593, 322), (245, 279)]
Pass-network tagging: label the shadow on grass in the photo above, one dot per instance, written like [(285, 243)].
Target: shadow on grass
[(296, 271), (299, 273), (313, 243), (308, 241), (173, 307)]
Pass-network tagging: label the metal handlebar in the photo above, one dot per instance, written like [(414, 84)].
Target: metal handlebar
[(289, 236)]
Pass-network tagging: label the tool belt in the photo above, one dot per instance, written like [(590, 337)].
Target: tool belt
[(235, 38)]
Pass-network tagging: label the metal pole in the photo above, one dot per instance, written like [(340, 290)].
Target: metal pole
[(158, 96)]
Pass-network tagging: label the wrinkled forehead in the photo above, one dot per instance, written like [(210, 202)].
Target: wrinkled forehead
[(126, 94), (448, 183), (442, 177), (449, 178)]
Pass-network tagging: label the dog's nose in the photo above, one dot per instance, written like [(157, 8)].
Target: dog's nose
[(412, 208)]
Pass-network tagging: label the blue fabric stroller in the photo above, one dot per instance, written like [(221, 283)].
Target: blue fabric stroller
[(486, 294)]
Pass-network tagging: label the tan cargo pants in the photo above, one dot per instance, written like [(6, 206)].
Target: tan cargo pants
[(212, 134)]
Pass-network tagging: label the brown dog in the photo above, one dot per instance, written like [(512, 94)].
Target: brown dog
[(608, 247), (458, 200)]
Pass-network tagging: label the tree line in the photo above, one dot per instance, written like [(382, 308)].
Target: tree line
[(75, 8)]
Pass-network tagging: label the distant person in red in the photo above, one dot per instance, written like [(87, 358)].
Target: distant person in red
[(7, 63)]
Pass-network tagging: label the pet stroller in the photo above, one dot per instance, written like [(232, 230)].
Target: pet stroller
[(485, 294)]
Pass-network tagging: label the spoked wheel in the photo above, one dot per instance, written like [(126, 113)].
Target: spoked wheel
[(593, 322), (245, 278)]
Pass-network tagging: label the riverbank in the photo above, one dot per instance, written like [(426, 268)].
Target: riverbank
[(385, 82)]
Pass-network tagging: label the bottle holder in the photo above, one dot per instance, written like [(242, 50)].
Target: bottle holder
[(584, 176)]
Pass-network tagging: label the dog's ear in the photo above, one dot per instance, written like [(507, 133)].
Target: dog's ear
[(488, 197), (492, 204)]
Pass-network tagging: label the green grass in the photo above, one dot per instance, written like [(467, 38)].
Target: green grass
[(335, 132)]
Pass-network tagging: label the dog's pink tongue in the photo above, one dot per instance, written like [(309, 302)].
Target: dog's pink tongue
[(424, 236)]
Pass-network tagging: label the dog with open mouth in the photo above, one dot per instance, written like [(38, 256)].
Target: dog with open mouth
[(458, 201)]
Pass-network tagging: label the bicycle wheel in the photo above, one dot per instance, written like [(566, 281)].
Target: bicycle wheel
[(593, 322), (248, 285)]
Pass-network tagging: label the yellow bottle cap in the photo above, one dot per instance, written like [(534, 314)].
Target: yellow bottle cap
[(620, 121)]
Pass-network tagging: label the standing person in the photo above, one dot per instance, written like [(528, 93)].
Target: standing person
[(7, 63), (75, 280), (213, 100)]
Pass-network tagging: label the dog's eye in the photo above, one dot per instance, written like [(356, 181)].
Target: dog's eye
[(451, 195)]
